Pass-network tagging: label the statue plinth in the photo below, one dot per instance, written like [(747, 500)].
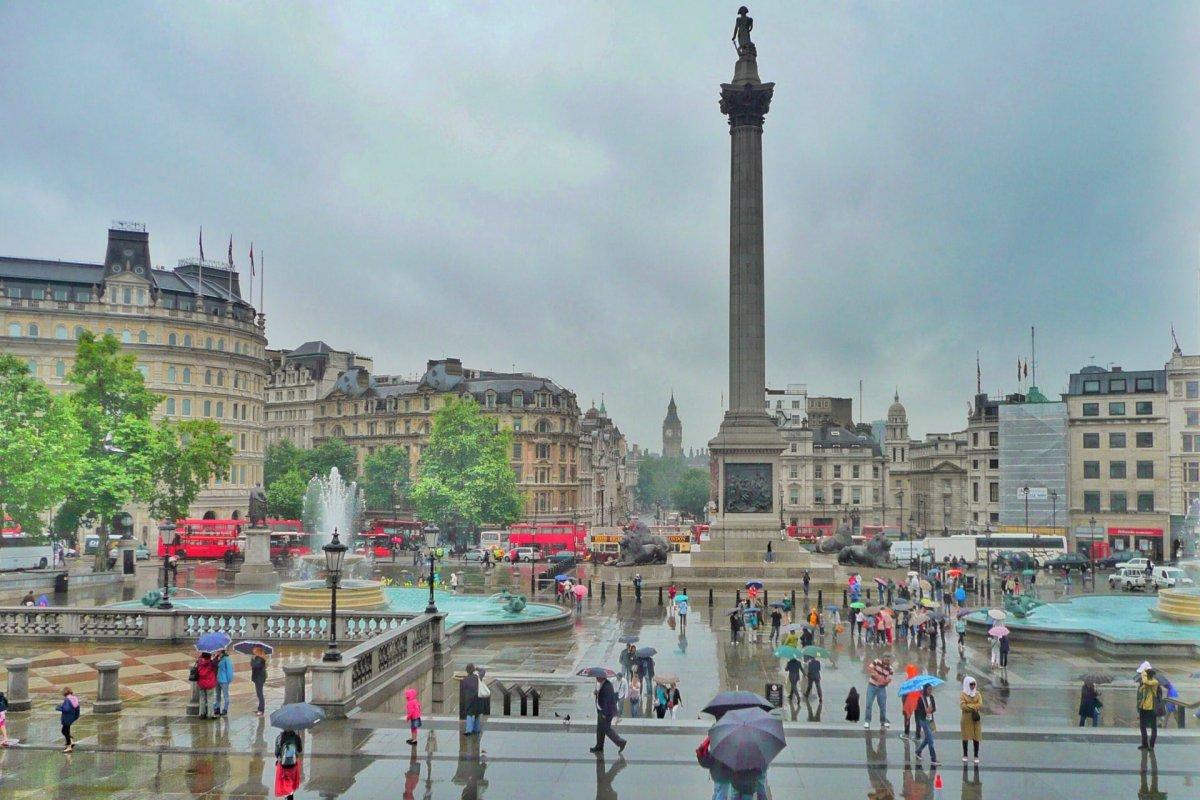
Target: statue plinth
[(256, 568)]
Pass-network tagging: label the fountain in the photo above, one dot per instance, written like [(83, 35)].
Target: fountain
[(331, 504)]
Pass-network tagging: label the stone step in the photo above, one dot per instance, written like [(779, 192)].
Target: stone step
[(747, 572)]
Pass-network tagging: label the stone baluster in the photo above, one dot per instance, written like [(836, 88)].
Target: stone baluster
[(18, 684), (108, 688), (294, 676)]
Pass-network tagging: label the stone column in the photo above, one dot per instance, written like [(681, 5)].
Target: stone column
[(18, 684), (256, 569), (193, 706), (294, 676), (108, 688)]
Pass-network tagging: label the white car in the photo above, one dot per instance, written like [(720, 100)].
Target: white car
[(1127, 579), (1170, 578), (1136, 563), (523, 554)]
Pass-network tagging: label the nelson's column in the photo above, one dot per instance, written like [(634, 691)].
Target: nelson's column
[(748, 446)]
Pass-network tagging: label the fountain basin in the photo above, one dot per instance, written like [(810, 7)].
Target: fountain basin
[(1178, 605), (315, 595)]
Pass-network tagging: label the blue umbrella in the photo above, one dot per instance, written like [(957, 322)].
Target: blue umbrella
[(213, 641), (562, 577), (918, 683), (787, 651), (746, 739), (754, 584), (296, 717), (833, 609), (246, 647), (646, 652), (628, 638)]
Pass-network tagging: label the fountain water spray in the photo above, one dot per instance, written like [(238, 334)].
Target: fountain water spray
[(331, 503)]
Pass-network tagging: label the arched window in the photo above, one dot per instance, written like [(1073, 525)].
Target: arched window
[(208, 377), (171, 406), (14, 329), (187, 406), (143, 337), (60, 369), (172, 376), (187, 375), (78, 332), (208, 408), (208, 343), (187, 340), (543, 426), (126, 337), (172, 339), (220, 409), (145, 371), (60, 331), (31, 365), (220, 378), (339, 431), (109, 332), (221, 345), (33, 330)]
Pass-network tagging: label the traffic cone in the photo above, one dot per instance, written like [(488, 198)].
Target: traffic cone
[(937, 781)]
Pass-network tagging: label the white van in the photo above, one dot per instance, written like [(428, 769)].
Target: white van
[(1127, 579), (904, 552), (1170, 578)]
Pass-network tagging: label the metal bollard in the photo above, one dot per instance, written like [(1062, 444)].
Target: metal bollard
[(737, 597), (589, 588), (766, 600), (618, 591), (193, 706), (660, 600), (293, 682), (710, 597), (821, 599), (845, 599), (603, 591), (108, 688), (793, 599), (18, 684)]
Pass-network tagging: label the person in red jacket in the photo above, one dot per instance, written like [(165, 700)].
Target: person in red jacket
[(206, 681)]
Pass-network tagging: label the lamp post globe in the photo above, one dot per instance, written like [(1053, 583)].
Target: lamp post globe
[(166, 536), (335, 554)]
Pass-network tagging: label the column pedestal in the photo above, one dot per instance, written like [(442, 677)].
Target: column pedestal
[(256, 569)]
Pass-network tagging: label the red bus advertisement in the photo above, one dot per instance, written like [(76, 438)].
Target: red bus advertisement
[(205, 538), (386, 534), (809, 533), (548, 537), (288, 539)]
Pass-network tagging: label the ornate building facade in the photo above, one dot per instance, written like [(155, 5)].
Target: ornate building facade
[(197, 340), (672, 432), (607, 476), (298, 378)]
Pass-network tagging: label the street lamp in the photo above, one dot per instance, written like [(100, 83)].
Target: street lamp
[(166, 538), (431, 539), (335, 553), (1092, 550)]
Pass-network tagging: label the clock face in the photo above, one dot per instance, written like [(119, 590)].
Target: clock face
[(139, 269), (114, 269)]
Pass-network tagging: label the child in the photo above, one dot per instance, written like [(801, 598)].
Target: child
[(3, 712), (852, 705), (69, 709), (414, 714)]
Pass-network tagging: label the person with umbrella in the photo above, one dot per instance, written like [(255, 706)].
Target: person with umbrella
[(628, 656), (206, 681), (606, 709), (645, 663), (739, 748), (224, 679), (923, 715), (776, 622), (289, 745), (1089, 702)]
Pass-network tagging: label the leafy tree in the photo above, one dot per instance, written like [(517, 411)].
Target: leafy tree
[(282, 457), (465, 478), (386, 478), (188, 455), (333, 453), (690, 493), (656, 479), (39, 444), (285, 496), (112, 407)]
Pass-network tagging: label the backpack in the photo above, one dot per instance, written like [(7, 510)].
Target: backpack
[(484, 691), (3, 702), (287, 756)]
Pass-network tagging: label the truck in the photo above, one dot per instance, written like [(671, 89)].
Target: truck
[(1127, 579), (905, 552), (952, 547)]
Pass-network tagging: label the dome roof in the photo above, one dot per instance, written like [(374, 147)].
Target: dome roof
[(896, 409)]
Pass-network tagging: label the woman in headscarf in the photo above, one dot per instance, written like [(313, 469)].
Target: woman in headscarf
[(1089, 704), (971, 726)]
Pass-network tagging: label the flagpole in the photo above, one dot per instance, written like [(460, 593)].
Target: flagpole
[(1033, 351), (262, 284)]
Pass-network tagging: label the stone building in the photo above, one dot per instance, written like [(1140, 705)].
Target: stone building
[(297, 379), (369, 411), (1183, 447), (937, 481), (610, 490), (788, 406), (829, 474), (672, 432), (1117, 434), (830, 411), (197, 340), (983, 460), (896, 445)]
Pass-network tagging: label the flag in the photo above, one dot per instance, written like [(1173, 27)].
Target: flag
[(1026, 369), (231, 250), (252, 259), (1018, 370), (201, 242), (978, 376)]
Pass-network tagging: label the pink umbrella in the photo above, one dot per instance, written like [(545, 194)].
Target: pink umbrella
[(580, 590), (998, 631)]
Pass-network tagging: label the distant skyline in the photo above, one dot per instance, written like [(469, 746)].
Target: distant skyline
[(546, 185)]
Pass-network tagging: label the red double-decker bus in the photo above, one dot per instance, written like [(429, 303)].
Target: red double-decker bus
[(205, 538), (288, 539), (548, 537), (384, 535)]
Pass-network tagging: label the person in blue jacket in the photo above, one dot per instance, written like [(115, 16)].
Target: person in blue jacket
[(224, 678), (69, 709)]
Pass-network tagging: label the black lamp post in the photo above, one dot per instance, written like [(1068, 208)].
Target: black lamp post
[(1092, 551), (431, 532), (166, 537), (335, 554)]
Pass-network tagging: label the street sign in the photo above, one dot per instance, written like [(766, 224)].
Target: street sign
[(1035, 492), (775, 694)]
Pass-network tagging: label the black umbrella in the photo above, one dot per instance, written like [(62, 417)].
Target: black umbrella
[(646, 652), (730, 701), (296, 716), (628, 638), (595, 672), (746, 739)]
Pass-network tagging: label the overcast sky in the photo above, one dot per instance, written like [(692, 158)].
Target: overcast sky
[(546, 184)]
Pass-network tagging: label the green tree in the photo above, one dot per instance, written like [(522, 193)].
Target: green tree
[(285, 497), (39, 444), (333, 453), (464, 475), (281, 458), (657, 477), (690, 492), (189, 454), (112, 407), (386, 478)]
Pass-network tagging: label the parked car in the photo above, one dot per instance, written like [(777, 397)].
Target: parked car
[(522, 554), (1075, 561), (141, 553), (1014, 560), (1114, 561), (474, 555), (1127, 579), (1170, 578), (1136, 563)]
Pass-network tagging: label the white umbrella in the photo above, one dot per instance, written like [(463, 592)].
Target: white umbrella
[(996, 613)]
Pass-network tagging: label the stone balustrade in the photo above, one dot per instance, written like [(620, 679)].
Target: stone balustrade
[(73, 623)]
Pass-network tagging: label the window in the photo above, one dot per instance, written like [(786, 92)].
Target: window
[(518, 399), (975, 440), (78, 332), (1091, 441), (208, 408), (1192, 416), (1117, 386), (855, 471), (994, 492), (1116, 409), (172, 375), (60, 295), (856, 495), (187, 407), (516, 450), (543, 426), (60, 331), (220, 409), (33, 330), (1191, 472), (171, 406), (172, 339), (993, 463), (1091, 501), (837, 495), (208, 379), (1145, 470), (1091, 409), (1144, 439), (975, 492), (126, 337), (221, 345), (1143, 385), (14, 329), (221, 381), (1116, 441), (837, 470), (516, 423), (187, 374), (489, 399), (1191, 442), (143, 337), (208, 343), (1091, 469), (127, 295), (543, 451), (993, 438), (1193, 390), (817, 470), (875, 472), (1116, 469), (60, 369), (1145, 501), (794, 496), (187, 340), (1143, 408), (1091, 387), (1118, 501)]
